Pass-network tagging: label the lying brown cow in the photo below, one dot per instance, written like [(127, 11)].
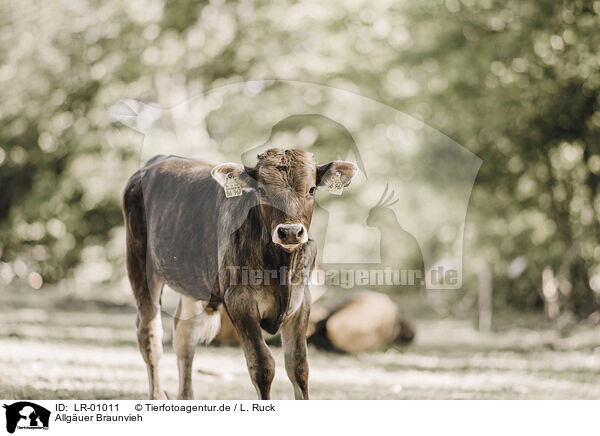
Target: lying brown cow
[(365, 321), (194, 225)]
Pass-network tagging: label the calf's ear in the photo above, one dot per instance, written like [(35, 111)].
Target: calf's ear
[(240, 173), (343, 169)]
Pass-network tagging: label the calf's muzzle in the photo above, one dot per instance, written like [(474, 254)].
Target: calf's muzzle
[(290, 235)]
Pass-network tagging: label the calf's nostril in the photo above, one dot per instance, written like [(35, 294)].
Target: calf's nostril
[(300, 231), (281, 233)]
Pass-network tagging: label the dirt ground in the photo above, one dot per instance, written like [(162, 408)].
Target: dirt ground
[(54, 345)]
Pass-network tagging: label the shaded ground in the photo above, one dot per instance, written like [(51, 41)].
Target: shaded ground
[(55, 346)]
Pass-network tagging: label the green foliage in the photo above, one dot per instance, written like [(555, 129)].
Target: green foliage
[(518, 83)]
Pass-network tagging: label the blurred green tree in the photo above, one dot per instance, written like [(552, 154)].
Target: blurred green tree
[(518, 83)]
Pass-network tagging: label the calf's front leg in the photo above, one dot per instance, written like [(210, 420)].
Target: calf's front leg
[(293, 339), (244, 315)]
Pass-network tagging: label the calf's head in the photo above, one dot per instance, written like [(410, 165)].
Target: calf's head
[(285, 182)]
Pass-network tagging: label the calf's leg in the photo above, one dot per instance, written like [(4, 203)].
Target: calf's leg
[(244, 315), (193, 321), (293, 339), (147, 291), (150, 333)]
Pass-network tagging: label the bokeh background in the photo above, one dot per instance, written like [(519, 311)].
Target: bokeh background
[(517, 83)]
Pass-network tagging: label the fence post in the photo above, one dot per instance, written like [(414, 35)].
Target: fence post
[(484, 274)]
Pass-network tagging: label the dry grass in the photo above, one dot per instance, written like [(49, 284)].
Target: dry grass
[(55, 346)]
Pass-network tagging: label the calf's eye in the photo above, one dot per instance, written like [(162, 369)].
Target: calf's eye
[(312, 190), (262, 192)]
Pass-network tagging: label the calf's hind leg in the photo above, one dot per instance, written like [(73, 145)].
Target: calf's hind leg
[(193, 321), (147, 291)]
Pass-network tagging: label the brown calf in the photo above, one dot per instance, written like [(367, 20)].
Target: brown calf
[(183, 231)]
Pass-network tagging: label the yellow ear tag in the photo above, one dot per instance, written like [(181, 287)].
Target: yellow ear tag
[(335, 185), (232, 187)]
